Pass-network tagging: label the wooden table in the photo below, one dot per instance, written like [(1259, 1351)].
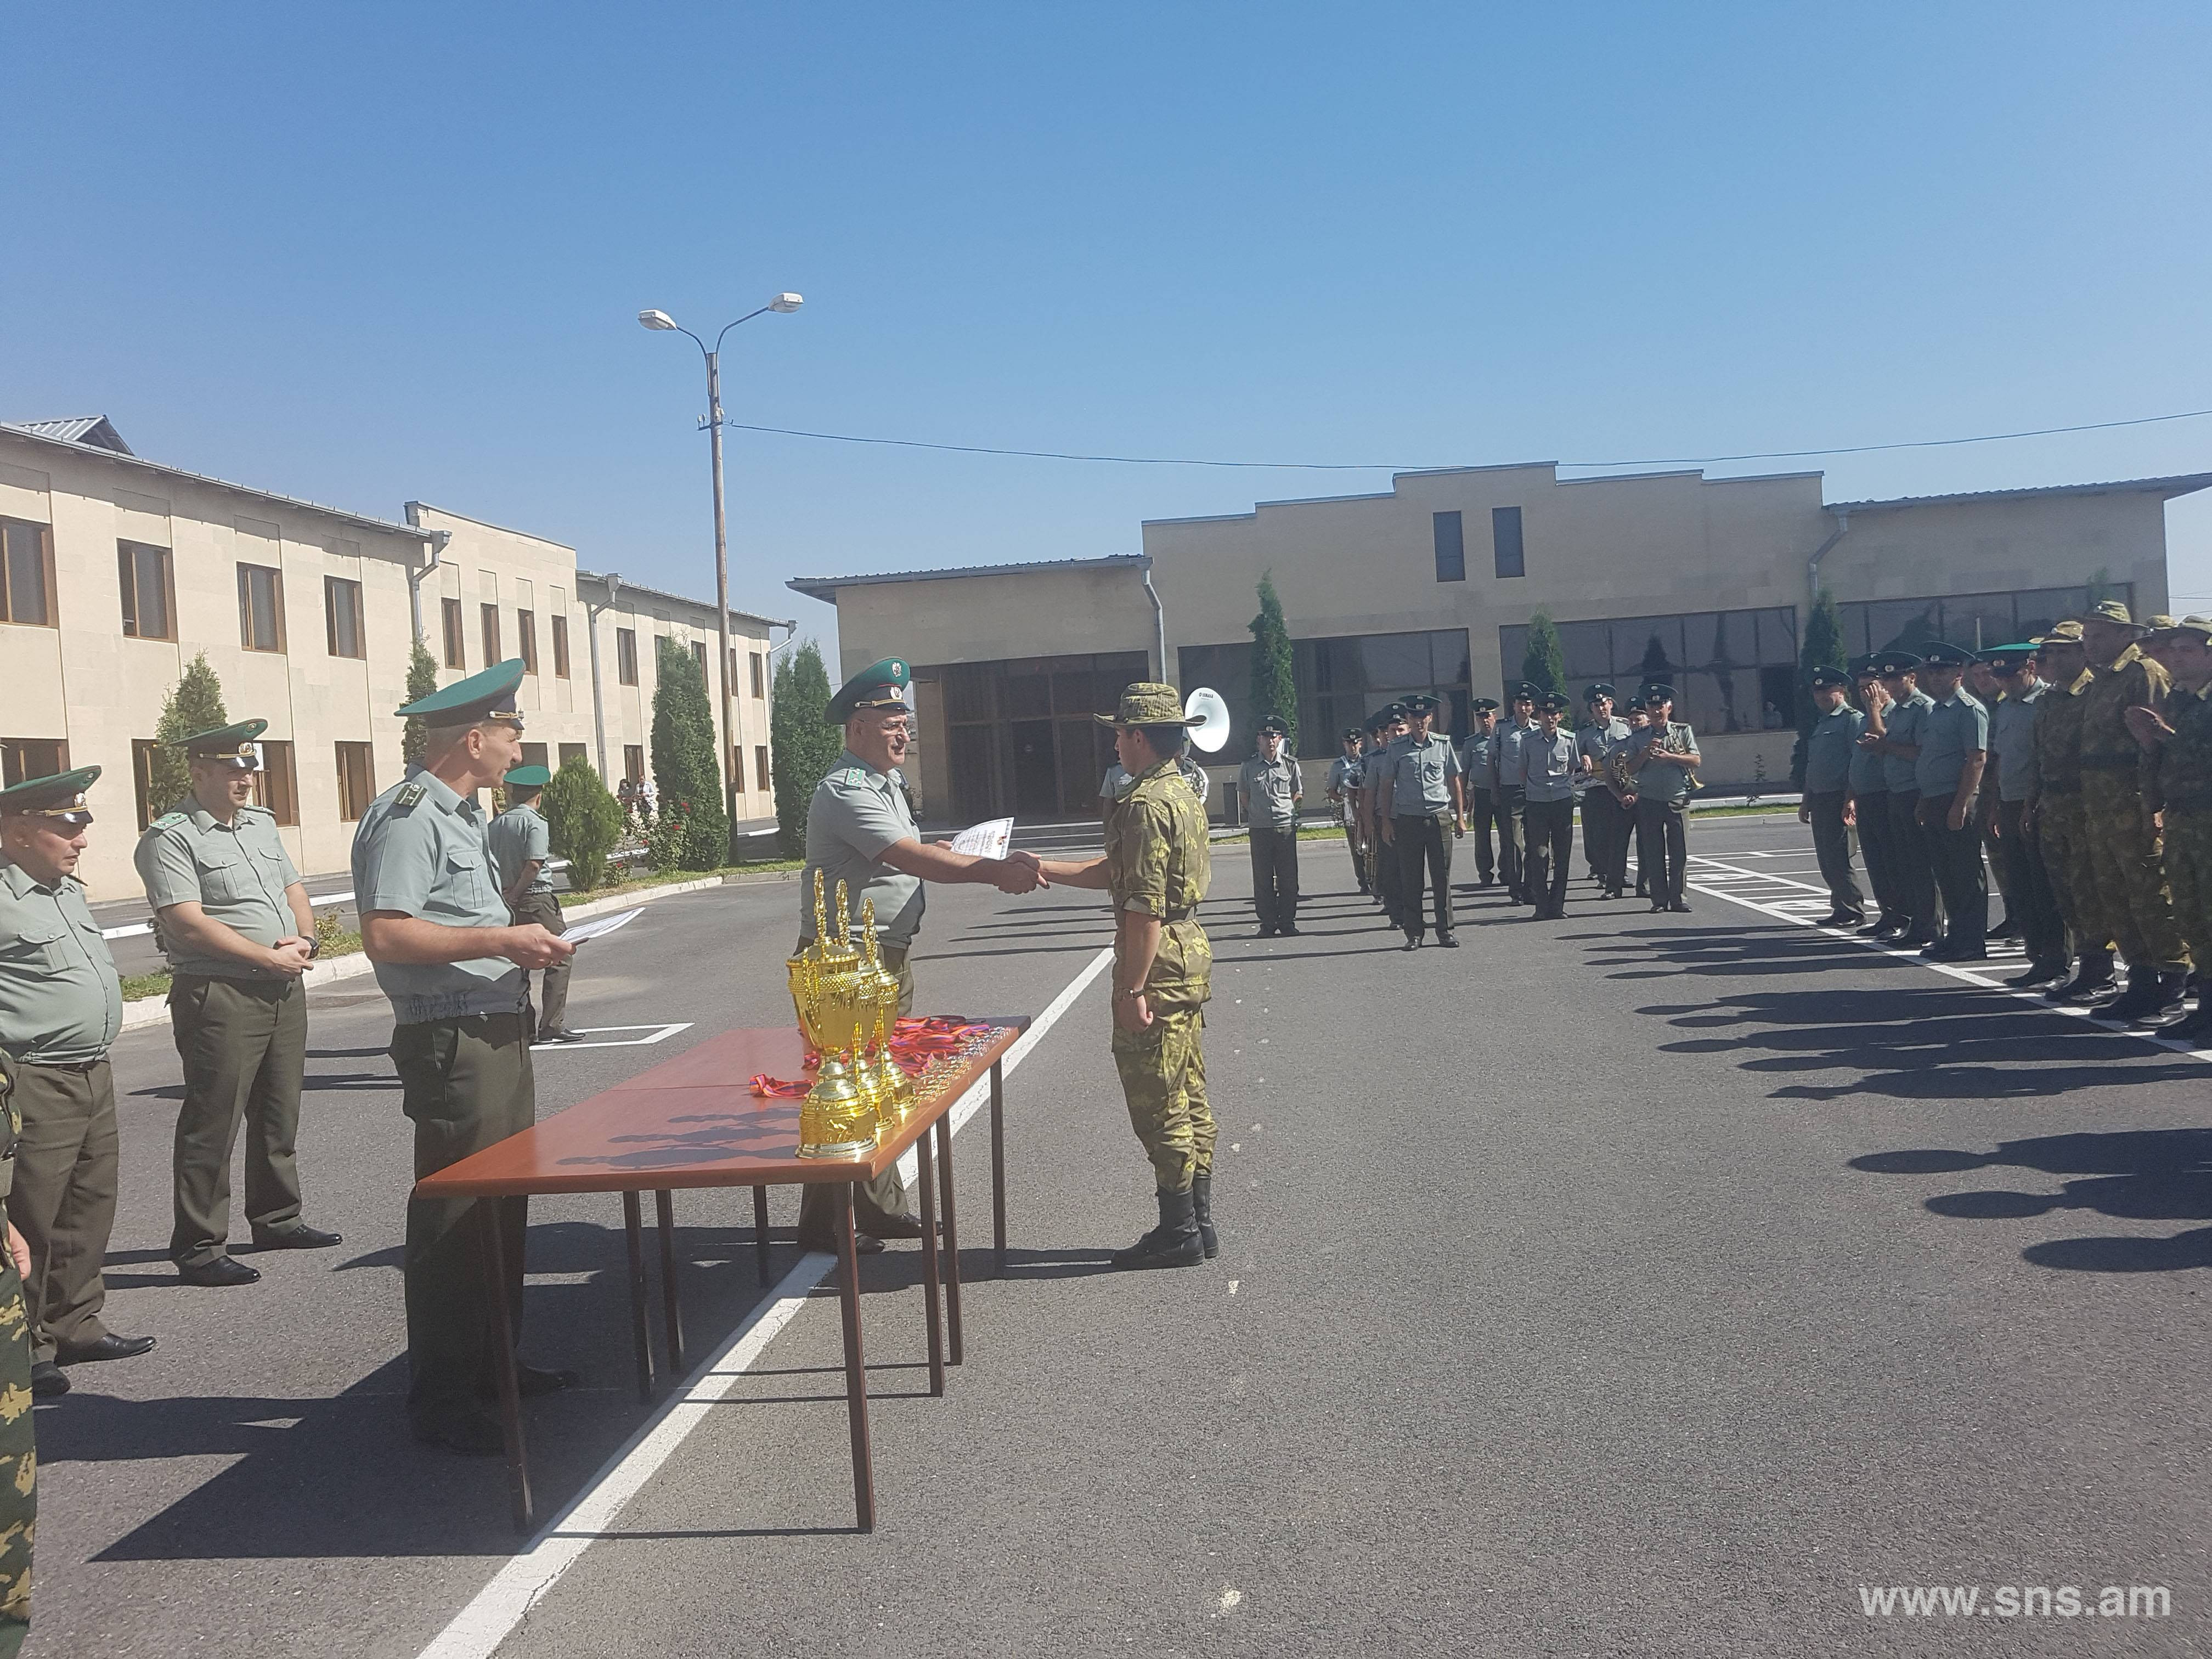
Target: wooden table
[(694, 1122)]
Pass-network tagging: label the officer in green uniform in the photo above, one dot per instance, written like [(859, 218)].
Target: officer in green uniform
[(455, 966), (1481, 786), (61, 1005), (1423, 812), (1273, 785), (232, 916), (860, 829), (1156, 869), (1868, 786), (1506, 761), (521, 844), (1664, 764), (2028, 896), (1344, 776), (1949, 759), (1551, 762), (1830, 749), (1390, 726), (18, 1451), (1893, 730), (1604, 824), (2181, 740)]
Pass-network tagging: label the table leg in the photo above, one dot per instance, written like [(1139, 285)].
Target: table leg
[(931, 1280), (664, 1211), (856, 1372), (502, 1340), (641, 1331), (952, 1235), (760, 1231), (999, 1166)]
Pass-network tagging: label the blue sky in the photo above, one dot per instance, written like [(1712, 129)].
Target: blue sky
[(368, 253)]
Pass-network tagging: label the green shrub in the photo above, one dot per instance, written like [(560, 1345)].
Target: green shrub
[(583, 822), (806, 744), (684, 766)]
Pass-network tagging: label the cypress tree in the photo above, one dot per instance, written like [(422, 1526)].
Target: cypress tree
[(583, 821), (684, 768), (1543, 663), (421, 681), (1274, 665), (1822, 647), (806, 744), (194, 704)]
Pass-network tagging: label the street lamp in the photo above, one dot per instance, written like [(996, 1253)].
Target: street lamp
[(661, 323)]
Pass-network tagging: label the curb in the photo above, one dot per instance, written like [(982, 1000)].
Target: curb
[(154, 1010)]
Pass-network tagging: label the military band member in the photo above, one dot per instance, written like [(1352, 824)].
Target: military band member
[(521, 847), (1869, 786), (1605, 821), (1639, 722), (61, 1006), (1390, 887), (2054, 814), (1273, 785), (1481, 786), (1947, 761), (1893, 730), (1664, 765), (1505, 760), (1551, 761), (1423, 813), (455, 966), (1344, 776), (232, 916), (2180, 739), (1830, 748), (2029, 899)]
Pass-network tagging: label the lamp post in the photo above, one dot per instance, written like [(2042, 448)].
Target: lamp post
[(661, 322)]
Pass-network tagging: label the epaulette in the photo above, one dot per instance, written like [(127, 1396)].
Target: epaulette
[(854, 775), (411, 795), (263, 811), (168, 821)]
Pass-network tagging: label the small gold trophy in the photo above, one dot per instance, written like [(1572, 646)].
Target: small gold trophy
[(836, 1005), (892, 1090)]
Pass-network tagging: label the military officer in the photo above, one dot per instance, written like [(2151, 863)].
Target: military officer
[(1390, 730), (1639, 722), (1664, 764), (1893, 730), (2054, 815), (18, 1449), (1423, 812), (1605, 821), (455, 965), (1344, 775), (860, 829), (2180, 738), (1551, 761), (1156, 870), (1481, 788), (521, 845), (1506, 761), (61, 1005), (232, 916), (2028, 897), (1948, 763), (1869, 789), (1272, 786), (1830, 749)]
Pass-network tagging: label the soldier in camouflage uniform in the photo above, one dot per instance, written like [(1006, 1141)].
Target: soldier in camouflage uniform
[(2180, 742), (2118, 801), (1155, 868), (2053, 811), (19, 1451)]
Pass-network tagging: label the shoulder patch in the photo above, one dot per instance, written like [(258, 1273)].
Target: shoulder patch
[(169, 820), (410, 796), (854, 775)]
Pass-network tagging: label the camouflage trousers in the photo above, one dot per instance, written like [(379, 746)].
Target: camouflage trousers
[(2189, 874), (18, 1463), (2065, 853), (1163, 1070), (2130, 902)]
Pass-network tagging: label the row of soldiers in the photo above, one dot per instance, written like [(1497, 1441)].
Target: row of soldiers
[(2079, 762)]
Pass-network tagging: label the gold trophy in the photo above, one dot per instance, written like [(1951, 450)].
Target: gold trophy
[(892, 1090), (836, 1005)]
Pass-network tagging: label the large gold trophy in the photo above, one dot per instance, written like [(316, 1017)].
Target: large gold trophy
[(837, 1000), (889, 1086)]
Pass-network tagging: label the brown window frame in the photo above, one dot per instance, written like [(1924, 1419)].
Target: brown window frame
[(353, 801), (487, 619), (626, 656), (568, 751), (759, 767), (245, 573), (698, 656), (276, 784), (526, 638), (333, 591), (455, 625), (634, 762), (142, 751), (127, 574), (8, 604), (560, 647), (737, 764), (760, 676), (16, 763)]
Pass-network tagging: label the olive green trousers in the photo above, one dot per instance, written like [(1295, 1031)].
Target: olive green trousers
[(63, 1199), (244, 1045)]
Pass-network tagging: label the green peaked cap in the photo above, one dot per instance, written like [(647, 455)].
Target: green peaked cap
[(527, 777), (232, 741), (487, 696), (58, 795), (881, 684)]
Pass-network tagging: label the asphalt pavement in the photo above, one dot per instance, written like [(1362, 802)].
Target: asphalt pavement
[(1632, 1284)]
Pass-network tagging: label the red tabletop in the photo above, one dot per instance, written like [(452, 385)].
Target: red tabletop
[(694, 1121)]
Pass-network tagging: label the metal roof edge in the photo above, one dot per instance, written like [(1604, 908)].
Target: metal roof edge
[(503, 529), (823, 588), (2180, 483), (599, 576)]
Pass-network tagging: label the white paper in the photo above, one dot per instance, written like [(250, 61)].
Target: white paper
[(599, 925), (985, 840)]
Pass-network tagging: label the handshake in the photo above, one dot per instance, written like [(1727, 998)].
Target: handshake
[(1018, 872)]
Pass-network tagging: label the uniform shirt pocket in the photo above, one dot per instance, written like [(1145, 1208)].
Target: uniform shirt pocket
[(38, 945), (228, 879), (463, 891)]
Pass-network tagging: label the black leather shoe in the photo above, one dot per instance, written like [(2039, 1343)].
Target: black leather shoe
[(48, 1379), (1679, 908), (1412, 942), (218, 1274), (109, 1347), (2038, 973), (891, 1226), (863, 1244), (1449, 941), (472, 1434), (1288, 931), (560, 1033), (1877, 929), (302, 1237), (1265, 933)]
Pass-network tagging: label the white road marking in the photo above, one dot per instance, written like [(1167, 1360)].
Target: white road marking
[(491, 1616), (654, 1034)]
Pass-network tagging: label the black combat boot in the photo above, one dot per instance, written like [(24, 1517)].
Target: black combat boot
[(2168, 993), (1201, 1209), (2142, 995), (2198, 1026), (2092, 977), (1174, 1243)]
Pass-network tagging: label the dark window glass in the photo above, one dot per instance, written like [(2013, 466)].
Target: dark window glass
[(342, 616), (560, 648), (489, 613), (760, 766), (456, 650), (759, 676), (1705, 640), (1505, 540), (1451, 547), (31, 758), (356, 784), (633, 760), (260, 608), (26, 574), (1587, 648), (626, 656), (277, 786), (525, 636), (571, 751), (143, 575)]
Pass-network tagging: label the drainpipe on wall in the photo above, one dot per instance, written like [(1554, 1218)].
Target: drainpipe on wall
[(1159, 621), (439, 538), (599, 701), (1813, 564)]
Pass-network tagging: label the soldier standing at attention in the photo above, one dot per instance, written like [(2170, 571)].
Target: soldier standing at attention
[(232, 915), (1480, 784), (1506, 761), (1831, 747), (18, 1449), (1420, 797), (1869, 793), (1893, 730), (1390, 730), (2180, 739), (61, 1005), (1948, 763), (1605, 825), (521, 844), (1156, 869), (1639, 722), (1344, 775), (1982, 681), (1551, 761), (2028, 897), (2053, 813), (1662, 766), (456, 968), (1272, 786)]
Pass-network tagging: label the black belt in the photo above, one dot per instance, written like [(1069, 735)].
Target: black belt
[(2107, 763)]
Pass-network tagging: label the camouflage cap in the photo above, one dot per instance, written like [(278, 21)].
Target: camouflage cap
[(1145, 702), (2065, 633), (2200, 626), (2110, 611), (2158, 624)]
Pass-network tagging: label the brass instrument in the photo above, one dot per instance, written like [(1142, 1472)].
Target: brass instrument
[(838, 1002)]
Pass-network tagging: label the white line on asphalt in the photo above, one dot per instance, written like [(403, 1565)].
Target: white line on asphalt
[(654, 1034), (478, 1629)]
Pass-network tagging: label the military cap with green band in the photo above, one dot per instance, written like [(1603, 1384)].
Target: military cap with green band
[(234, 745), (881, 684), (1147, 702), (489, 695), (1601, 689), (59, 796), (1657, 691), (1825, 676), (527, 777)]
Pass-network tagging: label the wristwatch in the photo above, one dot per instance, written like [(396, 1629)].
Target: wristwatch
[(314, 947)]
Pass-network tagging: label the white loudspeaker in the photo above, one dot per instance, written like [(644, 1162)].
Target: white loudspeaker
[(1206, 707)]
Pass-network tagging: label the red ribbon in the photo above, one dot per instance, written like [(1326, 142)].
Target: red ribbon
[(914, 1043)]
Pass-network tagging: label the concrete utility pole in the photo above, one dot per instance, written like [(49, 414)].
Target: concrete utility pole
[(598, 700)]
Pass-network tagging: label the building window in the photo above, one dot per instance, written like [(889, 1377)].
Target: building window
[(698, 656), (1340, 682), (31, 758), (760, 676), (1975, 621), (145, 752), (571, 751), (634, 762), (449, 616), (276, 784), (533, 754), (1732, 671), (1506, 541), (26, 573), (150, 602), (1451, 547), (260, 608), (525, 636), (737, 764), (357, 779), (759, 767), (560, 647), (626, 655), (490, 614), (342, 616)]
